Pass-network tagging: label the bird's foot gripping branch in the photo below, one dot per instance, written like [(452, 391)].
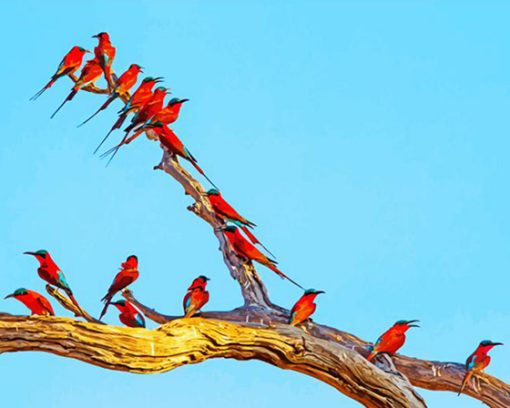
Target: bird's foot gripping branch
[(259, 329)]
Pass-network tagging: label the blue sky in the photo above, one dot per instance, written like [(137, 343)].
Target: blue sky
[(368, 140)]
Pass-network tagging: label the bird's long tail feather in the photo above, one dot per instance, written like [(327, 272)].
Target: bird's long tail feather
[(69, 98), (103, 107), (465, 381), (71, 297), (193, 161), (116, 125), (254, 239), (125, 140), (282, 275), (107, 299), (47, 86)]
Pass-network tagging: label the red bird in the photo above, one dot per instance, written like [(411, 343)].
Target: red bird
[(68, 66), (196, 297), (129, 315), (90, 73), (248, 251), (226, 212), (147, 111), (127, 275), (169, 140), (50, 272), (142, 117), (139, 98), (170, 113), (478, 361), (36, 302), (105, 54), (394, 338), (122, 87), (304, 307)]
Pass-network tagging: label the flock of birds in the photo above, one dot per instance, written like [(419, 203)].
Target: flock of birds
[(151, 115)]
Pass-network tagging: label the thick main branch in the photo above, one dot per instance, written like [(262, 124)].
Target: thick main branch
[(191, 341)]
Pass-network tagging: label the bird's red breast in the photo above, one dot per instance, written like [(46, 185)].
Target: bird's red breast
[(36, 302), (391, 341), (169, 139), (303, 309), (224, 209), (127, 80), (91, 72)]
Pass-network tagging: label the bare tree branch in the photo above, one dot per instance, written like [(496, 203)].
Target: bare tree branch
[(191, 341)]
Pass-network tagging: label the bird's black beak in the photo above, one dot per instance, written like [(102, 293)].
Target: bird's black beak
[(9, 296), (88, 51), (95, 36), (497, 344), (157, 80), (319, 292), (410, 323), (183, 100), (206, 278), (29, 253)]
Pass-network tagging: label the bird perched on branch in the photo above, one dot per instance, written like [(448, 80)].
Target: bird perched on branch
[(105, 54), (169, 140), (36, 302), (226, 212), (170, 113), (129, 315), (50, 272), (478, 361), (139, 98), (127, 275), (393, 339), (196, 296), (245, 249), (141, 118), (68, 66), (90, 73), (122, 86), (304, 307)]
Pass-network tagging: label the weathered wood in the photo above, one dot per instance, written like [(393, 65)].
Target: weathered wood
[(194, 340)]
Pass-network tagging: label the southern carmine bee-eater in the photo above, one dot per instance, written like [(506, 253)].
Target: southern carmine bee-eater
[(50, 272), (105, 54), (169, 140), (122, 86), (304, 307), (127, 275), (139, 98), (68, 66), (196, 297), (36, 302), (226, 212), (247, 250), (90, 73), (170, 113), (478, 361), (393, 339), (142, 117), (165, 116), (129, 315)]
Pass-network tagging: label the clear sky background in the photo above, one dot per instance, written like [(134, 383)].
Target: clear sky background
[(368, 140)]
